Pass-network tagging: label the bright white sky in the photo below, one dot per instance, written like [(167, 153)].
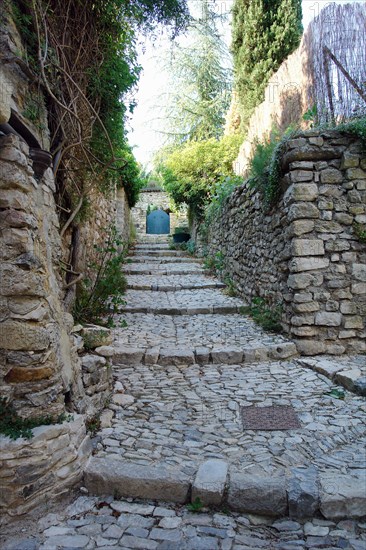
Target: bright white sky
[(144, 123)]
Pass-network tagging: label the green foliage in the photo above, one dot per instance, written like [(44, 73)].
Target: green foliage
[(268, 317), (311, 115), (199, 93), (221, 192), (192, 171), (196, 506), (360, 231), (265, 166), (14, 426), (356, 127), (102, 296), (264, 33), (230, 289), (214, 263), (336, 393)]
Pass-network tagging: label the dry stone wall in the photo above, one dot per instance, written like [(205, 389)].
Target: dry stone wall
[(305, 253), (37, 470)]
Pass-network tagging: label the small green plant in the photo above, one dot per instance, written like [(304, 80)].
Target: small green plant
[(268, 317), (265, 170), (98, 300), (311, 116), (214, 263), (13, 426), (337, 394), (182, 229), (93, 424), (230, 289), (191, 247), (196, 506), (360, 231)]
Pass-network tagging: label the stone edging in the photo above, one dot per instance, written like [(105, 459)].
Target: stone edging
[(300, 494)]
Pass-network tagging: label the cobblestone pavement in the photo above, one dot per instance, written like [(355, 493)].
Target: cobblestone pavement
[(184, 415), (172, 282), (147, 330), (179, 415), (103, 523), (182, 301)]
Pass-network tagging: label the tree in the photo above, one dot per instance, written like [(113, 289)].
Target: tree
[(192, 171), (264, 33), (201, 81)]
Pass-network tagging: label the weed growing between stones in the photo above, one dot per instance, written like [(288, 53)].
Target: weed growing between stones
[(360, 231), (99, 299), (14, 426), (268, 317), (230, 289), (214, 263), (196, 506)]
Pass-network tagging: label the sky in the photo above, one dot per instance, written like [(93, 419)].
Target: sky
[(144, 123)]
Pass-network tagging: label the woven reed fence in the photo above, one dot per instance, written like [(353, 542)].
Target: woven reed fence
[(336, 45)]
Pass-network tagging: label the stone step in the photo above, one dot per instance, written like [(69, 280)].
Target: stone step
[(173, 287), (138, 253), (229, 355), (156, 247), (176, 269), (300, 493), (169, 258), (180, 310), (180, 302)]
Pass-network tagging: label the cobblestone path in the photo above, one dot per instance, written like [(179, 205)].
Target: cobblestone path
[(185, 367)]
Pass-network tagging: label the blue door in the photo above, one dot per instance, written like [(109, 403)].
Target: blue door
[(158, 223)]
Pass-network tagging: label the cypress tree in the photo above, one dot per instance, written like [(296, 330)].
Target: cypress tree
[(264, 33)]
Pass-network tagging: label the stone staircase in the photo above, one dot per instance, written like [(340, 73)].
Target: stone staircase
[(185, 366)]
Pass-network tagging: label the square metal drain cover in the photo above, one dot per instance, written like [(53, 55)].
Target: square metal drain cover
[(278, 417)]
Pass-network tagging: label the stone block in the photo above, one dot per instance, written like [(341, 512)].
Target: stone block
[(349, 308), (358, 288), (104, 476), (301, 227), (324, 226), (228, 356), (297, 142), (105, 351), (331, 175), (28, 374), (307, 307), (354, 321), (209, 484), (257, 494), (359, 272), (303, 492), (307, 247), (343, 218), (96, 336), (202, 355), (92, 363), (337, 245), (15, 335), (303, 210), (355, 174), (328, 319), (349, 161), (353, 380), (300, 320), (127, 356), (310, 347), (176, 357), (302, 297), (282, 351), (123, 400), (298, 176), (308, 264), (152, 356), (342, 496), (300, 281)]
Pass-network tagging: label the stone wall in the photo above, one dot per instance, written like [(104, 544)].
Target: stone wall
[(305, 252), (37, 470), (155, 197), (300, 82)]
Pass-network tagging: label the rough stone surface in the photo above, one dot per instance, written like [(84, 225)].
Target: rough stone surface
[(210, 482), (342, 496), (118, 477), (257, 495)]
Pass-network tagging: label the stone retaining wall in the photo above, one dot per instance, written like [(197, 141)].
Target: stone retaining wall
[(37, 470), (305, 252)]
